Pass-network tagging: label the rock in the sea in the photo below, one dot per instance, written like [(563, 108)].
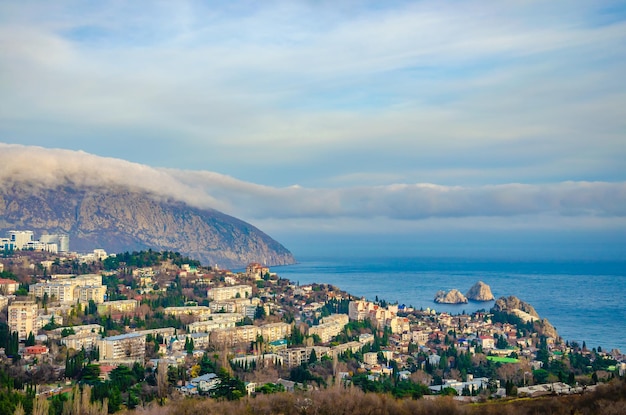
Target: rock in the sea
[(453, 296), (480, 292)]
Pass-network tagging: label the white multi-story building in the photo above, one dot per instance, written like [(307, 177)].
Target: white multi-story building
[(68, 290), (209, 325), (44, 319), (62, 292), (41, 246), (196, 310), (235, 335), (129, 346), (330, 327), (8, 286), (20, 238), (82, 329), (88, 341), (235, 305), (22, 317), (93, 293), (61, 240), (381, 316), (6, 245), (118, 306), (275, 331), (226, 293), (299, 355)]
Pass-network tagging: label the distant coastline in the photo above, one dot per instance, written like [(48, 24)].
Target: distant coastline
[(580, 312)]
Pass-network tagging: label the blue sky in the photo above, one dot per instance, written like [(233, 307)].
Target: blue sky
[(407, 121)]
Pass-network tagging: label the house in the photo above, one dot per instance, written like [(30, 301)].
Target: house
[(8, 286), (36, 350), (206, 382), (487, 342), (370, 358), (250, 388)]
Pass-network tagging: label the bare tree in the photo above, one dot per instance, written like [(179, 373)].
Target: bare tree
[(41, 405), (162, 385)]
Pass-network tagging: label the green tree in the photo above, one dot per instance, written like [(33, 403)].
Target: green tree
[(30, 340)]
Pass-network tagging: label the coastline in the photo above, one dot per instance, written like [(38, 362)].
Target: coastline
[(580, 312)]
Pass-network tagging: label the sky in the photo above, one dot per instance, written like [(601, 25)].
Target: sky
[(407, 127)]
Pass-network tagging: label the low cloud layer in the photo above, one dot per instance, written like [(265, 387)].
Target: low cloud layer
[(582, 201)]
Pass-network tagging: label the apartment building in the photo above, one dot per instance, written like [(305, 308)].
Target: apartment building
[(370, 358), (329, 327), (69, 289), (117, 306), (275, 331), (297, 356), (88, 341), (129, 346), (22, 317), (197, 310), (353, 347), (8, 286), (235, 305), (209, 325), (226, 293), (234, 335), (83, 329), (88, 293), (43, 320)]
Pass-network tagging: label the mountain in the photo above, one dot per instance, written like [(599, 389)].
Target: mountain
[(122, 218)]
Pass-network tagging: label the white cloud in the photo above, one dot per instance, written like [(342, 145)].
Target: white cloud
[(325, 94), (249, 201)]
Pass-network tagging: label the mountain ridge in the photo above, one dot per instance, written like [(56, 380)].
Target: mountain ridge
[(120, 218)]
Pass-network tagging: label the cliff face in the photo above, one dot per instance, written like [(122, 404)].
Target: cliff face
[(451, 297), (480, 292), (507, 304), (120, 219), (512, 304)]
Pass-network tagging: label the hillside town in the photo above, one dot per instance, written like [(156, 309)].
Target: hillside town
[(145, 326)]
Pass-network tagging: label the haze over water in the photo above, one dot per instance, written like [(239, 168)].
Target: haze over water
[(582, 299)]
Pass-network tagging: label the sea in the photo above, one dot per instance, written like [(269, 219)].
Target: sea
[(584, 300)]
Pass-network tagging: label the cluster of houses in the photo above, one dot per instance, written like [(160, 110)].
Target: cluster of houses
[(232, 302)]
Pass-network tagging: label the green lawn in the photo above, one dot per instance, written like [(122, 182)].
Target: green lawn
[(502, 359)]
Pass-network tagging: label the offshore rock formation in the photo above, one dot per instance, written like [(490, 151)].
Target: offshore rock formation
[(527, 313), (453, 296), (480, 292), (119, 219)]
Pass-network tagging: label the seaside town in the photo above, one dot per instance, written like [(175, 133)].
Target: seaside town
[(150, 326)]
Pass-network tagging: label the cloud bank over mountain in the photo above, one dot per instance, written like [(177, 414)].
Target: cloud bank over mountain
[(586, 202)]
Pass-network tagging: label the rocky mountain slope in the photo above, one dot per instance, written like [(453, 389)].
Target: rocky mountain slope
[(526, 312), (119, 219)]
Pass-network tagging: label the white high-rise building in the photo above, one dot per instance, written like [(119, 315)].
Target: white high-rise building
[(21, 238), (62, 241)]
